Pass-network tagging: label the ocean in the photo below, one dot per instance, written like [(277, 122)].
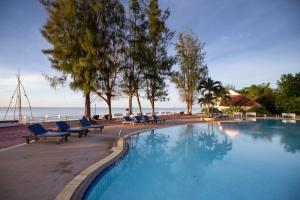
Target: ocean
[(74, 112)]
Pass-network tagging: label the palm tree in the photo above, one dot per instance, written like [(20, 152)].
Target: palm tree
[(211, 91)]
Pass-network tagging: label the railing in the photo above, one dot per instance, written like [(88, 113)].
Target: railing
[(47, 118)]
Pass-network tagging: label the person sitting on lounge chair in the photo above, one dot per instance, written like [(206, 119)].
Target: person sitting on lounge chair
[(64, 126), (39, 131), (86, 124), (156, 119)]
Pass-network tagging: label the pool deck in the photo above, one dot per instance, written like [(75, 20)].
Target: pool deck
[(41, 169)]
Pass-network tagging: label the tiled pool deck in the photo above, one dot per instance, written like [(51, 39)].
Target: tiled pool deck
[(41, 169)]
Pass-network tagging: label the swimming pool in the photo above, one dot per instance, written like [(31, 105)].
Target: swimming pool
[(248, 160)]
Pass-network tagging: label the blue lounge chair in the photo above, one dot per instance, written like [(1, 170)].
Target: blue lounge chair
[(138, 120), (64, 126), (39, 131), (128, 120), (147, 120), (86, 124), (156, 119)]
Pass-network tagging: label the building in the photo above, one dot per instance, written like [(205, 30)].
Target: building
[(236, 99)]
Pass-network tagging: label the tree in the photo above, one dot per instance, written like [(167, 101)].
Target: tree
[(110, 30), (263, 94), (158, 62), (211, 91), (133, 71), (192, 70), (288, 97), (289, 85), (70, 32)]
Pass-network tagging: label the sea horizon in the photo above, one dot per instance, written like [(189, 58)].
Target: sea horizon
[(77, 112)]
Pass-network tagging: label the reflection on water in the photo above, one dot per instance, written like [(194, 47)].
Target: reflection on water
[(246, 160), (287, 130), (289, 121), (165, 155), (232, 133)]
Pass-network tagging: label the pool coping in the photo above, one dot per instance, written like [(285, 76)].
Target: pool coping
[(76, 188)]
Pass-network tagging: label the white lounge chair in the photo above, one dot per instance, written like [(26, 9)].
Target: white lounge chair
[(289, 115)]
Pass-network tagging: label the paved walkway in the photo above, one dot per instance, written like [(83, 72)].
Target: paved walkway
[(40, 170)]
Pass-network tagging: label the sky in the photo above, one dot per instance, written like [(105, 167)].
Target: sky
[(247, 42)]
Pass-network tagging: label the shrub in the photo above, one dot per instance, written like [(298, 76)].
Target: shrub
[(233, 109), (212, 110), (259, 110)]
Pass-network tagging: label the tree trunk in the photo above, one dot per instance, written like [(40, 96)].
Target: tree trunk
[(87, 106), (152, 106), (109, 108), (208, 111), (130, 104), (139, 103), (189, 108)]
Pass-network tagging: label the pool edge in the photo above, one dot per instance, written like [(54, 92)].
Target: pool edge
[(76, 187)]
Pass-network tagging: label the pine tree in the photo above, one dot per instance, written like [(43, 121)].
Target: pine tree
[(192, 70), (110, 23), (87, 38), (136, 48), (69, 31), (159, 63)]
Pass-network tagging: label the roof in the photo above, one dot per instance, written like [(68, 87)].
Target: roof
[(236, 99)]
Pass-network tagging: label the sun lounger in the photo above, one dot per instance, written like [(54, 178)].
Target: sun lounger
[(147, 120), (289, 115), (64, 126), (156, 119), (138, 119), (128, 120), (86, 124), (250, 114), (39, 131)]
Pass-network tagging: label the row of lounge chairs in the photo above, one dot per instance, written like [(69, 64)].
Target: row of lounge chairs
[(65, 130), (138, 120), (38, 131)]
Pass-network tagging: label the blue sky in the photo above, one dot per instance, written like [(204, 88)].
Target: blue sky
[(247, 42)]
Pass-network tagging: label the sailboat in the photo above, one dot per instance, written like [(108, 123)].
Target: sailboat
[(15, 103)]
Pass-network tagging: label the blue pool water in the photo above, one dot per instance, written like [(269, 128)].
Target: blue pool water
[(249, 160)]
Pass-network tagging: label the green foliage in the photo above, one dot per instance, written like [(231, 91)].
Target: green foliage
[(211, 91), (284, 99), (262, 94), (233, 109), (87, 41), (289, 85), (288, 97), (192, 70), (158, 62), (133, 71), (259, 110), (69, 30), (110, 30), (211, 110)]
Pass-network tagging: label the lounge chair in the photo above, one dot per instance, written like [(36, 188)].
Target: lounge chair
[(147, 120), (64, 126), (39, 131), (156, 119), (128, 120), (86, 124), (138, 119)]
